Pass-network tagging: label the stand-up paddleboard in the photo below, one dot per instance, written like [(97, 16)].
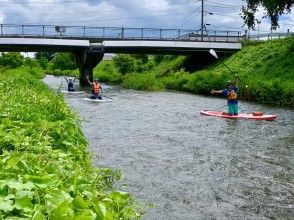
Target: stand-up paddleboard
[(253, 115), (98, 100), (72, 92)]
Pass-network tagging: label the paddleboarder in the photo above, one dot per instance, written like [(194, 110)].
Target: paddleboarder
[(231, 93), (70, 84), (96, 89)]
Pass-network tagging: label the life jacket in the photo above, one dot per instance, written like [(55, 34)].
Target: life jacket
[(96, 88), (232, 95)]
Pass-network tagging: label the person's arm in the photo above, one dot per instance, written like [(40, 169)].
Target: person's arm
[(65, 79), (216, 91), (89, 81), (74, 80)]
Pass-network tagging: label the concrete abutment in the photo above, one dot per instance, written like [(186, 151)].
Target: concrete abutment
[(87, 60)]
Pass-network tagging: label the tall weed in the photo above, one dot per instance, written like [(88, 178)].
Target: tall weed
[(45, 170)]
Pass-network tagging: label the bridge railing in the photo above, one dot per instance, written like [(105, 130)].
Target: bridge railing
[(97, 34), (269, 36)]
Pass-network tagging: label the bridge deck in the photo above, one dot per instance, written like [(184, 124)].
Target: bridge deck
[(99, 34), (113, 40)]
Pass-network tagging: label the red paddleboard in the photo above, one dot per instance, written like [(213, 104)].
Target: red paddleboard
[(241, 115)]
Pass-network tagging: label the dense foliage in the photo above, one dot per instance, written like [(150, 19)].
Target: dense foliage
[(45, 170), (11, 60), (274, 8), (63, 61), (265, 69)]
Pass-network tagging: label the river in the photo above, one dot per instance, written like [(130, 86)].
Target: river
[(190, 166)]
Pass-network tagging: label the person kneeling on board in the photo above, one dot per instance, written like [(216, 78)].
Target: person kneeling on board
[(70, 84), (96, 89), (231, 93)]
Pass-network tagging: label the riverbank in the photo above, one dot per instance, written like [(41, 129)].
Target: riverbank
[(46, 171), (265, 70)]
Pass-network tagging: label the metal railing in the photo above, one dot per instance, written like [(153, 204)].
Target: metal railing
[(269, 36), (98, 34)]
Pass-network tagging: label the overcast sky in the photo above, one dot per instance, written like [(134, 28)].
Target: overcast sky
[(184, 14)]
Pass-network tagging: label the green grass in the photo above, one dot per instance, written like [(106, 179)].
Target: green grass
[(45, 169), (265, 69)]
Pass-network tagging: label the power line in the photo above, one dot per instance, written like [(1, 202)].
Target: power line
[(188, 17), (225, 15), (224, 5), (240, 28)]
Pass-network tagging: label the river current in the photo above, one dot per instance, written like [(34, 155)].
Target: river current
[(190, 166)]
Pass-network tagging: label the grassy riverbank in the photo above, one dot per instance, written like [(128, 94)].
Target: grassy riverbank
[(265, 69), (45, 169)]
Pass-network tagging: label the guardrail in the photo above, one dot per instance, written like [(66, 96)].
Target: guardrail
[(270, 36), (98, 34)]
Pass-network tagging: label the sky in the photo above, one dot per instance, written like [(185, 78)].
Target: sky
[(178, 14)]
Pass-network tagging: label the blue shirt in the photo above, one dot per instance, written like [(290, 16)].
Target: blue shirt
[(226, 93)]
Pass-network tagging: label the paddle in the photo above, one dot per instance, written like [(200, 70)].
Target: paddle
[(213, 53), (106, 96)]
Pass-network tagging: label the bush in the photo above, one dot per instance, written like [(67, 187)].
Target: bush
[(176, 81), (11, 59), (63, 61), (106, 72), (141, 81), (31, 62), (124, 63)]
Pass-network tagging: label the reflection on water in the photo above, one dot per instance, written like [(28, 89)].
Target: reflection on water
[(192, 166)]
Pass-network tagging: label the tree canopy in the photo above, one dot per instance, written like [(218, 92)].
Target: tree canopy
[(274, 8)]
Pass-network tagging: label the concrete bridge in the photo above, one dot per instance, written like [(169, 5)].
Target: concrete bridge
[(90, 43)]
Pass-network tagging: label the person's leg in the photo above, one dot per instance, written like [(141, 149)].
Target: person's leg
[(236, 110), (96, 96), (230, 109)]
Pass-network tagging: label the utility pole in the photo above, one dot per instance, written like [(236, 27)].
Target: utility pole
[(258, 23), (202, 14)]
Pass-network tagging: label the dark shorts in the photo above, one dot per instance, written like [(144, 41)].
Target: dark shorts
[(93, 96)]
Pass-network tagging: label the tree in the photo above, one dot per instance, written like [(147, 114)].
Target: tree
[(124, 63), (63, 61), (274, 8), (48, 55), (11, 59)]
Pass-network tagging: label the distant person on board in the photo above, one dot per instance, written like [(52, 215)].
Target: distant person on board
[(96, 89), (231, 93), (70, 84)]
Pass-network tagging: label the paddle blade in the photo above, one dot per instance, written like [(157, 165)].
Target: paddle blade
[(213, 53)]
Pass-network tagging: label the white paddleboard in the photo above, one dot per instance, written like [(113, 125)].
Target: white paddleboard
[(72, 92), (98, 100)]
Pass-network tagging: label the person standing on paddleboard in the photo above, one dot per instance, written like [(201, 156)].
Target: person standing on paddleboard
[(231, 93), (70, 84), (96, 89)]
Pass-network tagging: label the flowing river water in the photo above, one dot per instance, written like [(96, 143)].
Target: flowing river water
[(187, 165)]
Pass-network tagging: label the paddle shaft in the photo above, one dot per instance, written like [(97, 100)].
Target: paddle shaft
[(106, 96), (231, 70)]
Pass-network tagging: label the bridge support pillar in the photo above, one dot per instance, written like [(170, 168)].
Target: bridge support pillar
[(86, 61)]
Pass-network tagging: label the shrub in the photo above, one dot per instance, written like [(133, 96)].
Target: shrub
[(124, 63), (11, 59)]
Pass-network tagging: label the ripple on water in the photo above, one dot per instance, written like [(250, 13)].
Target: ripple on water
[(192, 166)]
